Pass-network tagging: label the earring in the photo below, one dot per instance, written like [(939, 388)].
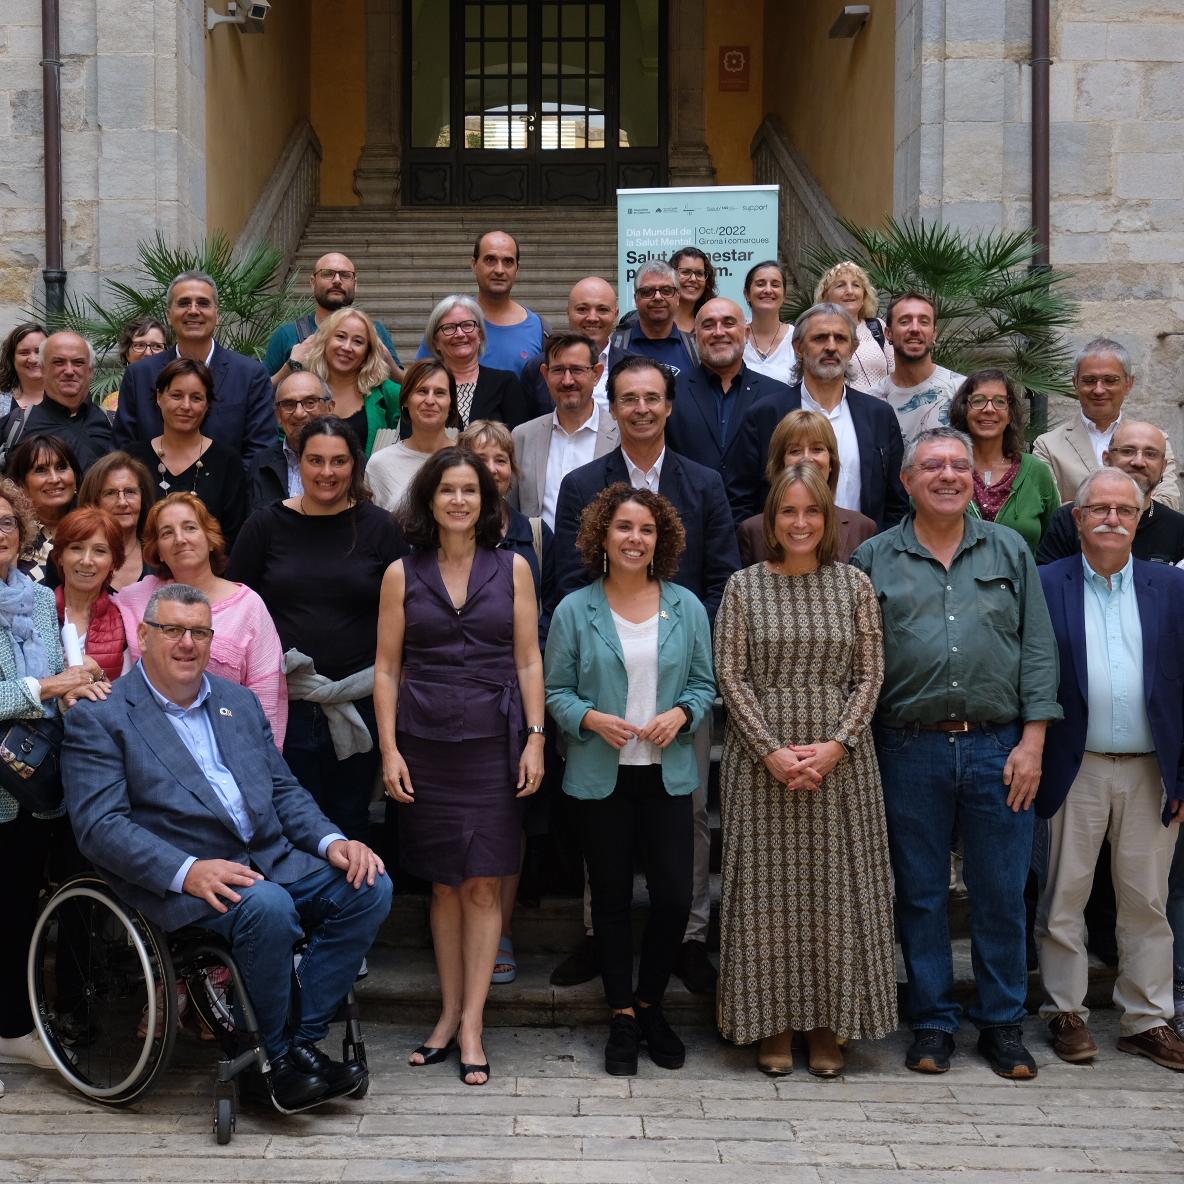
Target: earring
[(605, 561), (650, 570)]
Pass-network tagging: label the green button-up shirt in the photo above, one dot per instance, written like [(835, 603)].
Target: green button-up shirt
[(971, 643)]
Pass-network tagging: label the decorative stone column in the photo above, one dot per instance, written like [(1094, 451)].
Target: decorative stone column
[(378, 177), (689, 161)]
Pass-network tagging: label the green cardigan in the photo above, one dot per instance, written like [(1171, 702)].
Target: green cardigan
[(382, 411), (585, 671), (1032, 502)]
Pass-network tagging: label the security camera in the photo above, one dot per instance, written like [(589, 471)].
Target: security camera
[(258, 10)]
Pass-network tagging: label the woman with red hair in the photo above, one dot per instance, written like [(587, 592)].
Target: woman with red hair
[(87, 551)]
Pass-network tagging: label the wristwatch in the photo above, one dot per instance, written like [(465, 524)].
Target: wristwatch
[(294, 365)]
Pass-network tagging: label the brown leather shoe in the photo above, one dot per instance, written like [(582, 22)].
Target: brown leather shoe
[(1160, 1045), (1072, 1041), (826, 1057), (774, 1055)]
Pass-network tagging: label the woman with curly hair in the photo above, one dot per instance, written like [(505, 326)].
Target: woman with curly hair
[(458, 684), (849, 286), (629, 680)]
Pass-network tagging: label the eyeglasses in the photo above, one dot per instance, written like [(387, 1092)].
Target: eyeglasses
[(648, 293), (8, 524), (689, 273), (1109, 381), (147, 347), (933, 465), (1129, 452), (329, 273), (130, 494), (458, 327), (310, 404), (199, 633), (1101, 510), (629, 402), (981, 403), (577, 372)]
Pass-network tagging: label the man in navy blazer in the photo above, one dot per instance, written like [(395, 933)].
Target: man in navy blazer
[(870, 445), (241, 415), (1114, 766), (177, 793), (715, 397)]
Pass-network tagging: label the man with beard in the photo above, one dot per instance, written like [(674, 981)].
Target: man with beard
[(1113, 768), (870, 444), (334, 282), (1140, 450), (714, 398), (918, 390), (970, 684)]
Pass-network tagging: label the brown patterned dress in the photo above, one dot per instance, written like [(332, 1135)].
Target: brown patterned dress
[(806, 937)]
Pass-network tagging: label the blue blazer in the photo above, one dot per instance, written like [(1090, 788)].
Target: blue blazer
[(881, 450), (140, 805), (693, 427), (242, 416), (585, 671), (1159, 592), (697, 493)]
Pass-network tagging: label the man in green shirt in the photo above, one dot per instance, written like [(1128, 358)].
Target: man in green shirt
[(970, 683)]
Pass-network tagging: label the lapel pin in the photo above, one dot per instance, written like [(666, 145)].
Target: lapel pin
[(225, 711), (664, 615)]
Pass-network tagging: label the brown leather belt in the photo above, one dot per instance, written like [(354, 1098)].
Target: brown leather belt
[(950, 725)]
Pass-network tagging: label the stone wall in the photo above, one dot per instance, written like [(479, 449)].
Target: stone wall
[(133, 138), (1117, 155)]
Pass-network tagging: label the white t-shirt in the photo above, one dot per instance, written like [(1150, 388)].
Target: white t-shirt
[(639, 644), (778, 363), (921, 407)]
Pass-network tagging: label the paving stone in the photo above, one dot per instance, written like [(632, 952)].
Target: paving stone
[(610, 1126), (444, 1125), (692, 1149), (646, 1105), (883, 1133), (805, 1152), (1057, 1160), (784, 1109), (1151, 1160)]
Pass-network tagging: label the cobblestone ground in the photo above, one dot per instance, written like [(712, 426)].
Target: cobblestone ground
[(551, 1116)]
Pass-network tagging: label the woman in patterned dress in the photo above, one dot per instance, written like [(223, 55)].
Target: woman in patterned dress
[(806, 938)]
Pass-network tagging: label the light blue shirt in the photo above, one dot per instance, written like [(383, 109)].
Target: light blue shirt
[(295, 477), (195, 730), (1114, 664)]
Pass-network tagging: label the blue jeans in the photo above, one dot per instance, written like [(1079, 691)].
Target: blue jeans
[(1175, 905), (270, 919), (342, 789), (936, 785)]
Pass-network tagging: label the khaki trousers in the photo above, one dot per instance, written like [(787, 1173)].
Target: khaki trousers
[(1120, 797)]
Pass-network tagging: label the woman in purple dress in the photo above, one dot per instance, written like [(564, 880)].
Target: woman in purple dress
[(458, 679)]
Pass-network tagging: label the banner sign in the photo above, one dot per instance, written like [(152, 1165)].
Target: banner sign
[(735, 226)]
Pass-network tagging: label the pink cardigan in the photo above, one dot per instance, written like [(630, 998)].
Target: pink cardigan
[(246, 648)]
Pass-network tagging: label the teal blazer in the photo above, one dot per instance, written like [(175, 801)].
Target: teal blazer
[(585, 671)]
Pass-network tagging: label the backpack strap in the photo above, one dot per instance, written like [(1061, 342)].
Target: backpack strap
[(536, 530), (876, 330)]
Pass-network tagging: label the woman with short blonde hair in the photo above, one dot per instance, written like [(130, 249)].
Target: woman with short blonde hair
[(848, 285)]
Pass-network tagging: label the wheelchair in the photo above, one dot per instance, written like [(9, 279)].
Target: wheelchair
[(103, 986)]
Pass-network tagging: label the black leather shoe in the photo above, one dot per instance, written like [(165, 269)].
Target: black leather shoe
[(665, 1048), (1004, 1049), (293, 1084), (580, 966), (340, 1075), (930, 1051), (695, 968), (620, 1052)]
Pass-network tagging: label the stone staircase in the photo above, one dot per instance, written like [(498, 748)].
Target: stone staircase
[(408, 259)]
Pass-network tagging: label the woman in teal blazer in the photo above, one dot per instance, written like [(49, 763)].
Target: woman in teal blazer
[(628, 673)]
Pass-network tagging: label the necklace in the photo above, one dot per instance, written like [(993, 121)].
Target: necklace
[(163, 469), (764, 353)]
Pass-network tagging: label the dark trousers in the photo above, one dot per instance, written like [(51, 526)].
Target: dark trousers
[(640, 817), (342, 789), (24, 845)]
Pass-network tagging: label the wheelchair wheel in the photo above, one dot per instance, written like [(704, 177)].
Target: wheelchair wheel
[(103, 992), (211, 992), (224, 1119)]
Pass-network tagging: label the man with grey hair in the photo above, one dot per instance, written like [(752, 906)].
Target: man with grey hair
[(654, 334), (868, 434), (176, 791), (970, 684), (274, 473), (241, 416), (67, 410), (1102, 378), (1114, 767)]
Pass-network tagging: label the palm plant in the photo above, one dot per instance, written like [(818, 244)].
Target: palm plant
[(253, 301), (993, 307)]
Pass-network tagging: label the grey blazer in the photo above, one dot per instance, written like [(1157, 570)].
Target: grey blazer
[(140, 806), (532, 447)]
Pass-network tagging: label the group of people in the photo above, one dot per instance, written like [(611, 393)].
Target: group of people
[(532, 559)]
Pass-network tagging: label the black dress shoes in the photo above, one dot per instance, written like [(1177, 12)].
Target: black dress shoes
[(292, 1085), (341, 1076)]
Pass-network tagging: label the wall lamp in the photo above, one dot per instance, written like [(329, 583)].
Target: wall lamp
[(851, 20)]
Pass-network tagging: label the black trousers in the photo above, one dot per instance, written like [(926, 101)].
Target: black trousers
[(24, 845), (638, 817)]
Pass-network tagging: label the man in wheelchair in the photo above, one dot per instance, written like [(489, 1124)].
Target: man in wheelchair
[(177, 793)]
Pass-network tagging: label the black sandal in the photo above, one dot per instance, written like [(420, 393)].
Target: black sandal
[(431, 1056), (465, 1070)]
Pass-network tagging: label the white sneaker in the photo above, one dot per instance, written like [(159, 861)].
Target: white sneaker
[(25, 1050)]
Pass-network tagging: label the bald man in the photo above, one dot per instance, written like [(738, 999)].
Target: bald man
[(333, 283), (592, 310), (714, 397)]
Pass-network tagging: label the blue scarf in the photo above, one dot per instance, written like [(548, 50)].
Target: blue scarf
[(17, 601)]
